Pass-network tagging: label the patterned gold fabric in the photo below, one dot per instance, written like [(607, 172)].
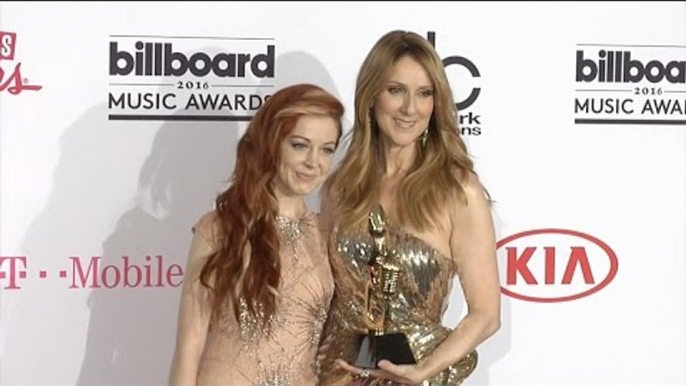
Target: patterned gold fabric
[(417, 310), (284, 351)]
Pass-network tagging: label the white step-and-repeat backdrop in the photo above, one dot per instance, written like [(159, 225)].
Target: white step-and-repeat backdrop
[(118, 124)]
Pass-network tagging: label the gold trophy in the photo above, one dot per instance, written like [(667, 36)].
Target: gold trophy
[(377, 342)]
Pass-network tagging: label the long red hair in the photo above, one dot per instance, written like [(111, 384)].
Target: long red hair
[(246, 267)]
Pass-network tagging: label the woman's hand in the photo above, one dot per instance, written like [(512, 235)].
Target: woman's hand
[(402, 374)]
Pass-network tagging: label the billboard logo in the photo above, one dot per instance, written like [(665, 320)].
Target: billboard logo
[(160, 59), (619, 67), (189, 78), (624, 84)]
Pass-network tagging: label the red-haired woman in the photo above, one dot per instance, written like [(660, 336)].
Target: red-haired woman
[(258, 284)]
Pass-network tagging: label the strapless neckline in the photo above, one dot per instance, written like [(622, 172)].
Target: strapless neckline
[(404, 232)]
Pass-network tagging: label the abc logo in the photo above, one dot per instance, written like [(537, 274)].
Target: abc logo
[(466, 63)]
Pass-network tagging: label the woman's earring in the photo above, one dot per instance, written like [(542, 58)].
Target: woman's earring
[(370, 121), (425, 136)]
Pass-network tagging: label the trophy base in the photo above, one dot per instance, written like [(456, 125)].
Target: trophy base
[(392, 347)]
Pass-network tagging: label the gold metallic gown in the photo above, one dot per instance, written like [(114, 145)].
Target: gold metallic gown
[(417, 310)]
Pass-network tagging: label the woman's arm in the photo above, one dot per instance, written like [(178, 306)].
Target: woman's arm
[(194, 309), (472, 244)]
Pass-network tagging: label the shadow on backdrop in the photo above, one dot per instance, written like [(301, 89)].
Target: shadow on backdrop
[(131, 334)]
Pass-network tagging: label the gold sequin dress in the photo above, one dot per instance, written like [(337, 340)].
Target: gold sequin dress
[(421, 300), (242, 353)]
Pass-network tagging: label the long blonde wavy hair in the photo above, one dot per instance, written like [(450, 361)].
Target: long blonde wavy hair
[(439, 165)]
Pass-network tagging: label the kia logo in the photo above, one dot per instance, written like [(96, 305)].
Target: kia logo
[(554, 265)]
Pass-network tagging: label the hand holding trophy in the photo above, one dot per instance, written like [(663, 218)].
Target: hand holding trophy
[(377, 342)]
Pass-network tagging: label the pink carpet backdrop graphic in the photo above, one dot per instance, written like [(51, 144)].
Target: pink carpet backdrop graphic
[(119, 124)]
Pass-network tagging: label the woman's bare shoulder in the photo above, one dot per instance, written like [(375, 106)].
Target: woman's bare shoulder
[(208, 228)]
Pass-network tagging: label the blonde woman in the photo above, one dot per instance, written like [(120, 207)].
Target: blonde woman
[(406, 155)]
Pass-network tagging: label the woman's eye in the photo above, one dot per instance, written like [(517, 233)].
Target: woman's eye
[(426, 93), (329, 151), (395, 90), (298, 145)]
